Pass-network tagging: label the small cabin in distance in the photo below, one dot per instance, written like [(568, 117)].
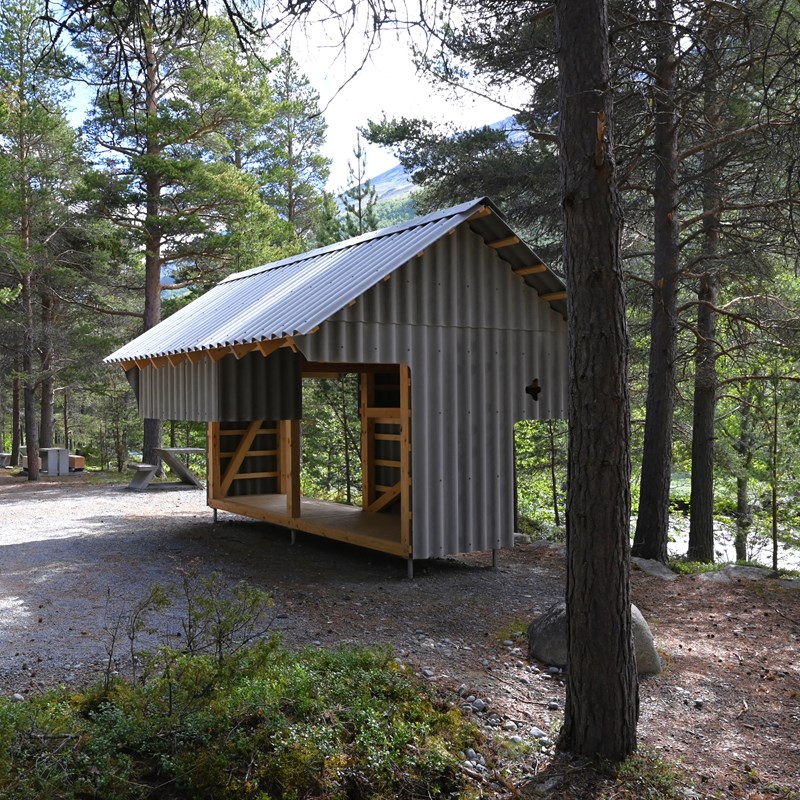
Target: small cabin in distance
[(456, 330)]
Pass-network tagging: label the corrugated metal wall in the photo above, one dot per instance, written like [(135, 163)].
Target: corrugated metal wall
[(183, 392), (474, 336), (252, 387)]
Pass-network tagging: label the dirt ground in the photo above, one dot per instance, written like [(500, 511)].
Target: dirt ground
[(75, 553)]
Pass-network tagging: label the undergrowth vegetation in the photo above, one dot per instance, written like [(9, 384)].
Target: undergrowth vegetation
[(231, 715)]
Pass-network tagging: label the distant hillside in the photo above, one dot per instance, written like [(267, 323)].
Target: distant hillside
[(395, 183)]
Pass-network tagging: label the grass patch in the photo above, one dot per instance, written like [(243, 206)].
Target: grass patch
[(684, 567)]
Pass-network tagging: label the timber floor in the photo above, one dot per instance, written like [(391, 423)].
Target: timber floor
[(323, 518)]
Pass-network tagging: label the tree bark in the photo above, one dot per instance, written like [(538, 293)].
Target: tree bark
[(29, 385), (153, 428), (16, 419), (601, 705), (744, 513), (701, 519), (652, 524), (48, 381)]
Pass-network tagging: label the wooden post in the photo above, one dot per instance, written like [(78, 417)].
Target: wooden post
[(367, 442), (289, 435), (405, 459), (213, 463)]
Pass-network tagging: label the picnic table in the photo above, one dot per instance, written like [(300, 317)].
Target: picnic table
[(144, 473)]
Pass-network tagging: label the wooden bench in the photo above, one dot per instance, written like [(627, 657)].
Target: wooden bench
[(142, 475)]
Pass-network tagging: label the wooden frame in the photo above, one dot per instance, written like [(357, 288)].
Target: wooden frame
[(383, 523)]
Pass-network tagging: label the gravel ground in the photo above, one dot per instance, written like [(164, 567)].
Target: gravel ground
[(77, 553)]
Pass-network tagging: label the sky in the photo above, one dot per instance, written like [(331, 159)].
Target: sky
[(387, 84)]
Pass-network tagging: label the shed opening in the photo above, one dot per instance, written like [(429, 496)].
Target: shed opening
[(256, 467)]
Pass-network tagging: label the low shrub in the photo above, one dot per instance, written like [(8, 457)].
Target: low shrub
[(345, 723)]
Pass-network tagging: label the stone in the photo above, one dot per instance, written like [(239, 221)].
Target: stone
[(479, 705), (547, 640), (17, 697), (654, 568)]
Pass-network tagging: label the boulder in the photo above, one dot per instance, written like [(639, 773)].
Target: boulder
[(547, 640)]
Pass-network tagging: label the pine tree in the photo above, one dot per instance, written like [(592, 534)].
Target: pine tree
[(40, 165), (295, 171), (327, 222), (361, 198)]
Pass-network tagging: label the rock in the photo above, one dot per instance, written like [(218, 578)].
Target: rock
[(538, 733), (17, 697), (509, 725), (654, 568), (547, 640), (719, 576), (479, 705), (735, 572)]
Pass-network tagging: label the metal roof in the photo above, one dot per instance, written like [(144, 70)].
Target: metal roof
[(297, 294)]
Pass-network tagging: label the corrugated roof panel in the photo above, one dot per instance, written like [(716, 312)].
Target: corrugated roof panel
[(297, 294)]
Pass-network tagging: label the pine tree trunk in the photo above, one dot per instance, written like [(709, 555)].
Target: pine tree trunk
[(29, 384), (153, 428), (744, 513), (652, 525), (601, 704), (16, 419), (48, 382), (701, 520)]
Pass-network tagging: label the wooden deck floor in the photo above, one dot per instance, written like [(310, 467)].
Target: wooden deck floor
[(323, 518)]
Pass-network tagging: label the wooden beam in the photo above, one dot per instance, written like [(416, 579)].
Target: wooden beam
[(386, 499), (290, 464), (218, 353), (507, 242), (245, 475), (213, 487), (268, 346), (174, 359), (481, 212), (157, 361), (405, 460), (195, 356), (239, 456), (367, 440), (530, 269), (551, 297)]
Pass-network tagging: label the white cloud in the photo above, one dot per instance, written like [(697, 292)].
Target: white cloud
[(387, 83)]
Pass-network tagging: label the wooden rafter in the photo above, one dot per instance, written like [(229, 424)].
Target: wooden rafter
[(506, 242), (530, 269), (481, 212), (551, 297)]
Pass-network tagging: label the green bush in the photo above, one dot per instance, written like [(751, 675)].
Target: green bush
[(345, 723)]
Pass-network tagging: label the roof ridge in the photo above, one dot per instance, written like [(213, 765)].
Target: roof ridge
[(354, 241)]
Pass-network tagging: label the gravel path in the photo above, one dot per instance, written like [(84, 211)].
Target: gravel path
[(75, 554)]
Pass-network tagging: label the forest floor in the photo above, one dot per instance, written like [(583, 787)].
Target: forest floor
[(78, 551)]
